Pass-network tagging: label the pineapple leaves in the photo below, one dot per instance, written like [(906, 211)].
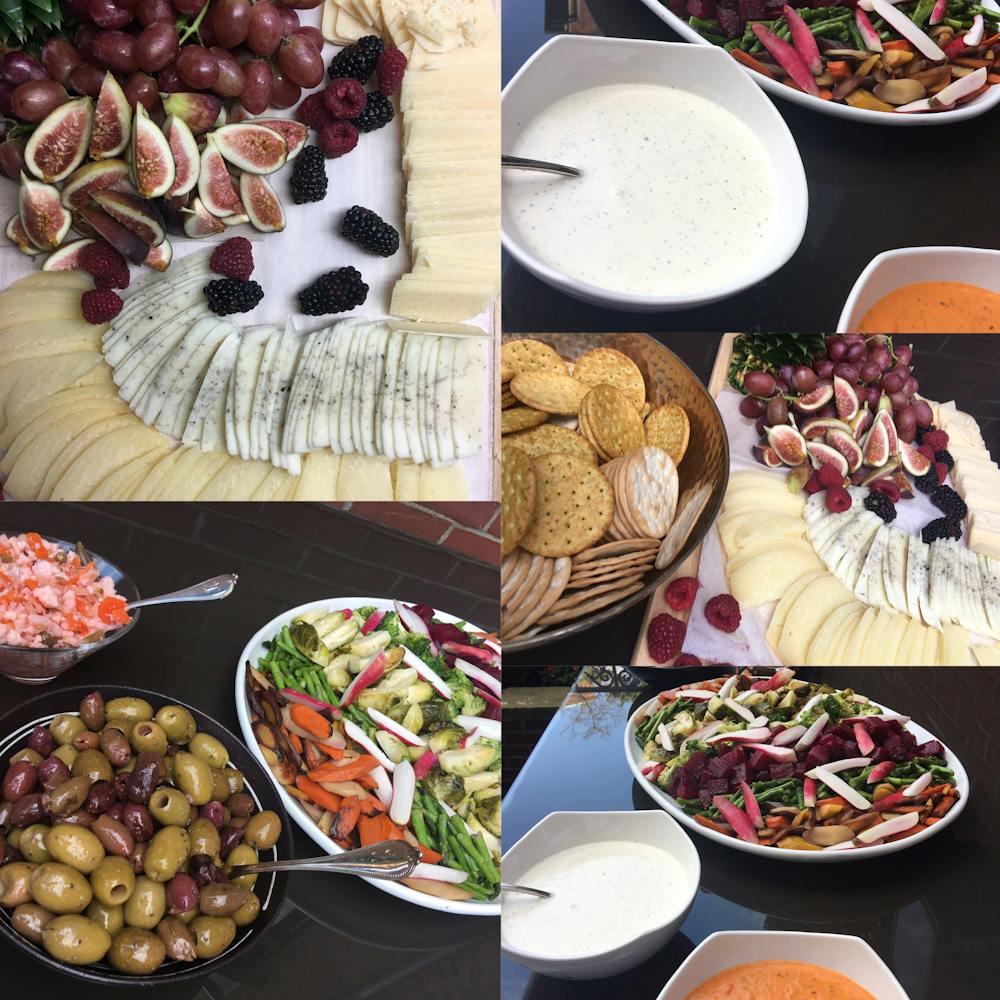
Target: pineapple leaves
[(769, 351), (28, 22)]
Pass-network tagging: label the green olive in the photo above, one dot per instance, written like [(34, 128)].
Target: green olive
[(67, 754), (60, 888), (132, 709), (32, 843), (146, 905), (111, 918), (234, 778), (69, 796), (170, 807), (263, 830), (148, 735), (212, 751), (94, 765), (31, 756), (14, 837), (247, 913), (74, 845), (204, 838), (220, 786), (124, 726), (113, 881), (242, 854), (15, 882), (178, 723), (212, 935), (189, 915), (29, 920), (194, 777), (166, 853), (76, 940), (64, 728), (136, 952)]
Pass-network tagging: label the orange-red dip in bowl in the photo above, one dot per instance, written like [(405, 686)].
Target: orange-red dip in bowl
[(934, 307), (779, 981)]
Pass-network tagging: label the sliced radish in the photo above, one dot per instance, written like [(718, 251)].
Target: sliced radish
[(761, 721), (782, 675), (918, 786), (844, 845), (490, 729), (752, 806), (323, 707), (383, 786), (424, 765), (741, 736), (366, 678), (836, 766), (729, 686), (840, 787), (364, 741), (469, 739), (788, 736), (494, 647), (898, 824), (867, 31), (372, 622), (809, 791), (811, 735), (861, 736), (704, 732), (479, 675), (404, 784), (745, 695), (911, 32), (737, 819), (427, 673), (810, 705), (479, 653), (974, 35), (391, 726), (696, 694), (649, 767), (665, 741), (939, 12), (785, 755), (954, 92), (803, 40), (412, 622), (740, 710), (880, 771), (439, 873)]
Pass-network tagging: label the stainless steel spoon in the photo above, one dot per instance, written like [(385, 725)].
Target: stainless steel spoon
[(521, 163), (541, 893), (208, 590), (389, 859)]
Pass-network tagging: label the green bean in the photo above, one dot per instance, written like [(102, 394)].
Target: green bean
[(484, 852), (420, 828)]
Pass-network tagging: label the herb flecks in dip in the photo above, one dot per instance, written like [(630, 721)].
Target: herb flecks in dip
[(934, 307), (779, 981), (676, 197)]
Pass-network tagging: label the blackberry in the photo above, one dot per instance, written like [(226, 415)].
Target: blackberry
[(227, 295), (357, 60), (945, 458), (371, 233), (378, 113), (942, 527), (921, 431), (928, 482), (309, 176), (880, 504), (333, 292), (949, 503)]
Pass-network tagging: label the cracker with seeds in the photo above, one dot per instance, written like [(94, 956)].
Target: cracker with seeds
[(520, 418), (550, 392), (518, 356), (610, 422), (604, 365), (517, 496), (552, 439), (668, 428)]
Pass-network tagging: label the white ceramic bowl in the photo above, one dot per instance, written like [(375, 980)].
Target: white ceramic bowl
[(634, 757), (569, 63), (895, 268), (983, 103), (562, 830), (850, 956), (252, 652)]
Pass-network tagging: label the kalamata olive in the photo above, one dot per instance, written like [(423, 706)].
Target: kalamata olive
[(79, 817), (149, 771), (120, 785), (204, 871), (52, 772), (116, 811), (100, 798), (214, 812), (759, 383), (750, 406), (239, 821), (229, 838), (222, 899), (31, 809), (240, 804), (177, 939), (116, 747), (41, 740), (20, 779), (3, 849), (138, 821), (182, 894), (86, 741), (138, 857), (33, 100)]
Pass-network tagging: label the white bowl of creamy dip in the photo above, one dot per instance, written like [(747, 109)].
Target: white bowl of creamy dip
[(692, 188), (622, 884)]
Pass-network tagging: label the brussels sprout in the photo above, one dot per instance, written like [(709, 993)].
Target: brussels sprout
[(398, 680), (446, 787), (341, 632), (395, 749), (487, 810), (414, 719), (307, 641), (479, 782), (383, 701), (446, 739), (418, 693), (436, 714), (337, 676), (682, 724), (369, 645), (468, 760)]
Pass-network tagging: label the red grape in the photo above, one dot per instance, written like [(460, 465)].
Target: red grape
[(33, 100), (284, 93), (911, 386), (109, 13), (824, 368), (83, 40), (837, 350), (116, 50), (12, 158), (904, 354), (873, 397), (87, 79), (760, 426), (752, 407), (313, 35), (197, 67), (855, 352), (892, 382), (923, 413), (300, 62), (169, 79), (289, 20), (80, 9), (257, 89), (230, 19), (846, 371), (231, 77), (6, 92), (781, 386), (824, 381), (906, 424), (869, 372), (156, 46), (59, 58), (264, 29), (303, 4), (777, 412), (149, 12), (19, 67), (803, 379), (898, 400), (188, 6), (141, 87), (759, 383), (880, 355), (785, 373)]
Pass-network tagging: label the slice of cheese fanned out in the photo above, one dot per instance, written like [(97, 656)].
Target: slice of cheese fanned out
[(190, 474), (319, 477), (443, 413), (302, 388), (406, 480), (26, 381), (236, 479), (114, 450), (44, 339), (120, 484), (363, 478), (288, 361), (210, 403), (445, 483), (58, 464), (246, 374), (467, 396), (374, 371), (30, 413), (330, 372)]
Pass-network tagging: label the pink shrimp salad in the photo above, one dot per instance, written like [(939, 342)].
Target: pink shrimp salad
[(49, 598)]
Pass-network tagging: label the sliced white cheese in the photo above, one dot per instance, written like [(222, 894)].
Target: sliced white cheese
[(210, 403), (894, 571), (262, 395), (443, 413), (246, 376)]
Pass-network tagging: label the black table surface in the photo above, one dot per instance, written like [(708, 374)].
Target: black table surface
[(926, 910), (871, 188), (334, 937)]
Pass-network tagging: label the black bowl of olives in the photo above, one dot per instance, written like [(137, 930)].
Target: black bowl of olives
[(121, 813)]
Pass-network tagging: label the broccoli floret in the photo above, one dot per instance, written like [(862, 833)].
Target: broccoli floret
[(838, 707), (421, 645), (390, 623), (365, 613)]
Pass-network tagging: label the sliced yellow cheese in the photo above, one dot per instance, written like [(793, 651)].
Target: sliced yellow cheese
[(987, 656), (955, 651), (28, 414), (831, 632), (406, 481), (26, 381), (781, 609), (849, 656), (892, 640), (911, 647), (811, 609), (319, 477), (737, 531), (41, 340), (776, 501), (768, 575), (112, 452), (932, 648), (275, 480), (150, 483), (192, 472), (764, 544), (446, 482), (363, 477), (835, 652), (236, 480), (120, 484), (873, 653)]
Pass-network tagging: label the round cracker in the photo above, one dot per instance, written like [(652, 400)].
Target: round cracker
[(604, 365), (615, 548), (535, 566), (573, 506), (589, 606), (529, 356), (668, 428), (514, 614), (508, 566), (551, 392), (557, 584), (520, 418), (551, 439), (507, 399), (517, 496), (650, 481), (576, 582), (613, 424)]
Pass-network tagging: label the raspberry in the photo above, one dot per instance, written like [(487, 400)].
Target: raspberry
[(927, 451), (687, 660), (937, 439), (227, 295), (665, 636), (377, 113), (335, 291), (313, 112), (308, 176), (117, 276), (389, 68), (879, 503), (680, 593), (344, 97), (101, 259), (337, 139), (369, 231), (100, 305), (813, 485), (829, 475), (233, 258), (723, 612), (837, 499), (941, 470), (888, 487), (357, 60)]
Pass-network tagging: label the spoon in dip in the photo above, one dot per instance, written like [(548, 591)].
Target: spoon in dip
[(541, 893), (523, 163)]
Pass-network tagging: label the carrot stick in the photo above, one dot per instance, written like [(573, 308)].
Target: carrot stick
[(755, 64), (310, 720), (776, 822), (992, 40), (296, 742), (318, 794), (353, 769), (899, 44), (839, 69), (427, 855), (711, 824), (973, 63)]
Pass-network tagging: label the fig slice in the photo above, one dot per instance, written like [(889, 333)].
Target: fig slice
[(236, 220), (787, 443), (815, 400), (913, 461), (44, 220), (824, 454), (767, 456), (184, 149), (261, 204), (159, 257), (137, 215), (844, 442), (152, 162), (199, 221), (876, 446), (16, 234), (251, 147), (112, 120), (67, 257), (59, 143), (215, 186), (845, 398), (198, 111), (104, 175), (817, 427), (123, 240), (294, 133)]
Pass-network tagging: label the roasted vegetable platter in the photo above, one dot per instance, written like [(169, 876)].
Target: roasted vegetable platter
[(791, 769), (380, 720)]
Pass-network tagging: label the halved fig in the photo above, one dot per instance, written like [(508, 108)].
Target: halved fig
[(152, 162), (215, 186), (198, 111), (822, 454), (876, 447), (251, 147), (294, 133), (913, 461), (83, 227), (59, 143), (902, 484), (845, 397), (199, 221), (16, 234), (67, 257), (123, 240), (184, 150), (136, 214), (105, 175), (767, 456), (817, 427), (887, 471), (787, 443), (815, 400), (112, 121), (861, 423), (261, 204), (797, 478), (236, 220), (884, 416), (43, 218), (159, 258), (844, 442)]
